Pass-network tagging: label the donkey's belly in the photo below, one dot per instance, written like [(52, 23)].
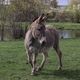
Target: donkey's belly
[(34, 49)]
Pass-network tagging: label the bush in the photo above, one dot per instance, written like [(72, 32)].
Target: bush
[(15, 30)]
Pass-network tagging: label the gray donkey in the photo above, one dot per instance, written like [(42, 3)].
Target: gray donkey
[(39, 39)]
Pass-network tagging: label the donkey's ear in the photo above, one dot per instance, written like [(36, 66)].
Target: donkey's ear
[(40, 19), (35, 19), (45, 17)]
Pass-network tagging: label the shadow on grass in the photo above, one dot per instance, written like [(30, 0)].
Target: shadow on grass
[(69, 74)]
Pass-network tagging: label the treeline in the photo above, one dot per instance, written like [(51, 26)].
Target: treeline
[(23, 11), (63, 13), (27, 10), (18, 11)]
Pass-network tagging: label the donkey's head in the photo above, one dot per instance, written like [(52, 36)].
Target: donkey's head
[(38, 29)]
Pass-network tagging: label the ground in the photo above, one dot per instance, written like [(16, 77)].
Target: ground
[(13, 62)]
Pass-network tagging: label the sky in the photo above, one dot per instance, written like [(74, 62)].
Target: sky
[(63, 2), (60, 2)]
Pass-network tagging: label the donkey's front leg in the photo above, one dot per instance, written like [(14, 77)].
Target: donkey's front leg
[(29, 57), (34, 64), (45, 55)]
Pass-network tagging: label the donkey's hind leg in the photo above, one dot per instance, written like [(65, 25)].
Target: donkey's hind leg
[(45, 55), (59, 53)]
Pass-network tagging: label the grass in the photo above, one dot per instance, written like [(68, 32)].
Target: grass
[(62, 25), (65, 25), (13, 62)]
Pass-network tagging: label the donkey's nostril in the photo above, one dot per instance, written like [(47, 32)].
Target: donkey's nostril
[(43, 43)]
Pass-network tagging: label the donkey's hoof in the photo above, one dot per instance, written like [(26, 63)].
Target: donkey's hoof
[(32, 74), (27, 62), (59, 68), (38, 69)]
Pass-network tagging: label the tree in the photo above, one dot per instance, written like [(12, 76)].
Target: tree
[(18, 11), (53, 3), (24, 10), (74, 10), (2, 19), (53, 8)]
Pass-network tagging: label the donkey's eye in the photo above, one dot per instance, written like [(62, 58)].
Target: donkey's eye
[(39, 29)]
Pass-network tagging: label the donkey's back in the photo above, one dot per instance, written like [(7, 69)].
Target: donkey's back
[(52, 37)]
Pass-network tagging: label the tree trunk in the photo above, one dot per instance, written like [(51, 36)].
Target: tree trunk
[(2, 33), (77, 18)]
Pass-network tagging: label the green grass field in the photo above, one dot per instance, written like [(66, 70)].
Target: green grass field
[(13, 62), (64, 25)]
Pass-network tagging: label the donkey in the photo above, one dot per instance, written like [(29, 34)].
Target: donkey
[(39, 39)]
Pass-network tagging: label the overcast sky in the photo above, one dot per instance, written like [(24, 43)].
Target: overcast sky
[(63, 2)]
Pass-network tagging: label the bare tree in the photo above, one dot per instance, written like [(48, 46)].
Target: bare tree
[(53, 3)]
